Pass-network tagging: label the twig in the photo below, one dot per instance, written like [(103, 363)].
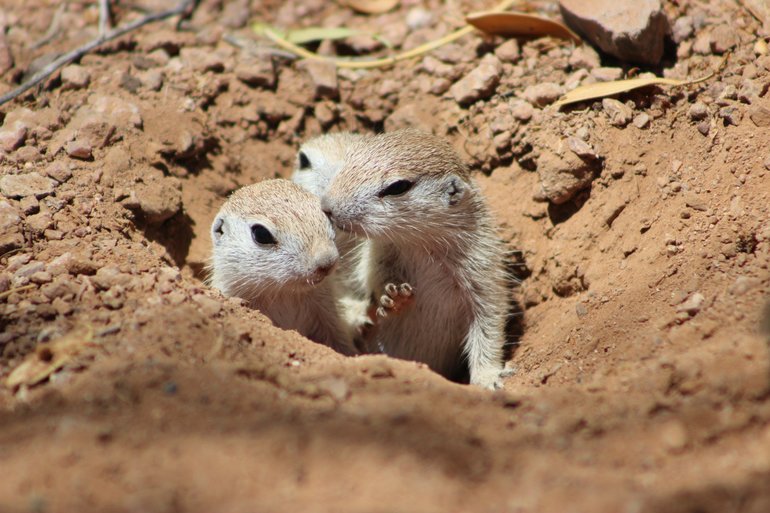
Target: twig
[(104, 17), (386, 61), (183, 8), (53, 29), (17, 289)]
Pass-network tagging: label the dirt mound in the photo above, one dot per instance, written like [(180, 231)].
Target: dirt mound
[(640, 229)]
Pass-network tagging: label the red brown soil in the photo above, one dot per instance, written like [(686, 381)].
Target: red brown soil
[(626, 399)]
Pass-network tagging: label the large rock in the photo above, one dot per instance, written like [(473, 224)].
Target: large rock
[(564, 167), (30, 184), (480, 83), (632, 30)]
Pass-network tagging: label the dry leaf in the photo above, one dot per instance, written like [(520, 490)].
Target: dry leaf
[(602, 89), (311, 34), (512, 24), (49, 358), (371, 6)]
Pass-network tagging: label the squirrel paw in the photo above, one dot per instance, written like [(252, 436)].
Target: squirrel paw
[(396, 297), (492, 379)]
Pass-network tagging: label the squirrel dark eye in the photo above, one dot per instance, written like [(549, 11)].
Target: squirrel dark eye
[(262, 235), (397, 188), (304, 162)]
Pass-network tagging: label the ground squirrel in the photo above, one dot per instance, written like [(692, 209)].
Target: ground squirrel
[(273, 247), (411, 196), (318, 161)]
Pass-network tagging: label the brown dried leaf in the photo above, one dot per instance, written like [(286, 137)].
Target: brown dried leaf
[(371, 6), (512, 24), (602, 89), (49, 358)]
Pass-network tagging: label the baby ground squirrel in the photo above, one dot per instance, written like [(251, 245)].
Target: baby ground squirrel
[(273, 246), (411, 197)]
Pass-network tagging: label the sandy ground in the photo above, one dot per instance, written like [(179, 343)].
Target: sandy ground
[(643, 369)]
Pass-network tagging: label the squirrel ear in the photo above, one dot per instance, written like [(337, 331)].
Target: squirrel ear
[(455, 190), (217, 230)]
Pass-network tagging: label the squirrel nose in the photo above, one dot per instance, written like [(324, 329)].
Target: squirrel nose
[(325, 263), (326, 207)]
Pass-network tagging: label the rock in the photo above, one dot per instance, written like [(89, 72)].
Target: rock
[(326, 113), (156, 199), (641, 120), (508, 51), (61, 286), (130, 83), (256, 73), (29, 184), (235, 14), (209, 307), (581, 148), (435, 68), (698, 111), (6, 57), (479, 83), (619, 113), (202, 60), (27, 270), (59, 171), (604, 74), (79, 149), (108, 277), (730, 115), (521, 110), (562, 173), (723, 39), (418, 17), (692, 305), (112, 110), (324, 78), (584, 57), (28, 154), (75, 76), (682, 29), (543, 94), (10, 228), (702, 44), (744, 284), (152, 80), (13, 136), (695, 202), (632, 30), (39, 223), (760, 115)]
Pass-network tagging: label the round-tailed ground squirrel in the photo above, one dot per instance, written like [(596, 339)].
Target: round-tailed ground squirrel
[(273, 247), (411, 196)]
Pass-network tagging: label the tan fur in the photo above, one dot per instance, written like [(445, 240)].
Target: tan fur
[(439, 237), (285, 279)]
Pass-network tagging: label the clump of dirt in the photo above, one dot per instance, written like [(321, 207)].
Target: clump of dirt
[(640, 228)]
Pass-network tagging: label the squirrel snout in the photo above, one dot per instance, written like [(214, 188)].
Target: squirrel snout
[(324, 263), (327, 207)]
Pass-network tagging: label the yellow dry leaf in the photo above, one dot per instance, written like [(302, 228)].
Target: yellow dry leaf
[(39, 366), (602, 89), (512, 24), (371, 6)]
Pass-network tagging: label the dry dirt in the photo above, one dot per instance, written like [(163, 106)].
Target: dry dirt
[(642, 359)]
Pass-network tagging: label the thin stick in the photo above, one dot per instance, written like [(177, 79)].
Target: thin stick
[(181, 9), (104, 17), (17, 289), (377, 63)]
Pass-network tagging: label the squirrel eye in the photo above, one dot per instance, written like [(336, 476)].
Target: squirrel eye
[(262, 235), (304, 162), (397, 188)]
